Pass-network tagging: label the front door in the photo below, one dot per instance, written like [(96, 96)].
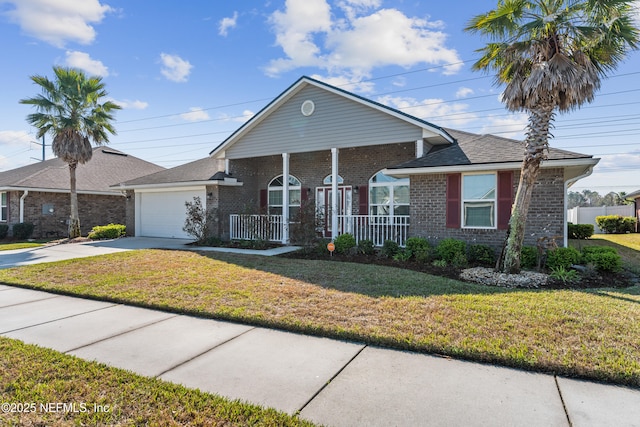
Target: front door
[(323, 206)]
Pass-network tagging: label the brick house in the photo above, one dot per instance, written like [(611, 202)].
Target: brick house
[(364, 168), (39, 193)]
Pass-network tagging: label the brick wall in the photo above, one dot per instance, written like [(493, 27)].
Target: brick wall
[(92, 209), (545, 218)]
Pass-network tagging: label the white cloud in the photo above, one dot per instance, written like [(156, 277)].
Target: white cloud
[(463, 92), (131, 105), (246, 115), (350, 83), (310, 35), (227, 23), (84, 62), (175, 68), (433, 110), (511, 126), (58, 22), (15, 137), (195, 114)]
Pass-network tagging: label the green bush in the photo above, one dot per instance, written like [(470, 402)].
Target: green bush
[(23, 231), (567, 277), (616, 224), (562, 257), (481, 254), (447, 249), (580, 231), (344, 243), (416, 244), (321, 246), (4, 230), (366, 247), (402, 255), (604, 258), (529, 257), (390, 248), (111, 231)]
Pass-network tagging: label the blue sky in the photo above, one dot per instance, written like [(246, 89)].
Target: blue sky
[(189, 73)]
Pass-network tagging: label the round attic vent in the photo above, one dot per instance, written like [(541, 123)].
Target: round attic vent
[(307, 108)]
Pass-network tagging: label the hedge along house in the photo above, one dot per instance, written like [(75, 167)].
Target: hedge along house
[(365, 169), (39, 193)]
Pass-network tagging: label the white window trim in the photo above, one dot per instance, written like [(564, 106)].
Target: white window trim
[(397, 182), (463, 200), (4, 206), (280, 188)]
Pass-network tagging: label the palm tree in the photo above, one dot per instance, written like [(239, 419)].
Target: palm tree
[(550, 55), (69, 109)]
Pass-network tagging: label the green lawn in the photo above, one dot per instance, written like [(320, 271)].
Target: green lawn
[(19, 245), (627, 245), (592, 334), (103, 396)]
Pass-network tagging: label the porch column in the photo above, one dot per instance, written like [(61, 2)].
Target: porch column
[(285, 198), (334, 193)]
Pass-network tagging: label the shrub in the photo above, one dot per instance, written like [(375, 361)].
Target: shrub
[(390, 248), (562, 257), (604, 258), (344, 243), (4, 230), (417, 244), (23, 230), (447, 249), (580, 231), (195, 223), (440, 263), (403, 255), (459, 260), (111, 231), (321, 246), (529, 257), (366, 247), (481, 254), (616, 224), (567, 277)]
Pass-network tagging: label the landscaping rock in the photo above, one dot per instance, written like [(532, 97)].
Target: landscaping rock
[(490, 277)]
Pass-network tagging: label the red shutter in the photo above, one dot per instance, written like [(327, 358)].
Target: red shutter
[(304, 195), (264, 200), (363, 204), (453, 200), (505, 198)]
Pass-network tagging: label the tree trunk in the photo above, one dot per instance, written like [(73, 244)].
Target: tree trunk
[(74, 219), (536, 145)]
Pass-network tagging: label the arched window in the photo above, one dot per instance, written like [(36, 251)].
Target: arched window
[(329, 179), (388, 195), (275, 196)]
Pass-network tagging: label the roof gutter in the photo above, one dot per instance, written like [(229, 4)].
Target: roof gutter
[(59, 190), (24, 196), (226, 182), (479, 167)]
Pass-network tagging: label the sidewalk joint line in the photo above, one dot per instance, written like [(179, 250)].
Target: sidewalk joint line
[(564, 406), (29, 302), (331, 379), (144, 325), (204, 352)]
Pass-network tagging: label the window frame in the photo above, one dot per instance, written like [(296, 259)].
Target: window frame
[(4, 206), (493, 201), (391, 185), (293, 186)]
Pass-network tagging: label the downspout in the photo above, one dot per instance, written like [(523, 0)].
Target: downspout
[(24, 196), (567, 184)]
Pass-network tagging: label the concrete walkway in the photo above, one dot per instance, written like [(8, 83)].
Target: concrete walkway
[(330, 382)]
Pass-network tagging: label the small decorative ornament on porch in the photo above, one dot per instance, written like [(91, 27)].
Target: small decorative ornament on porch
[(331, 247)]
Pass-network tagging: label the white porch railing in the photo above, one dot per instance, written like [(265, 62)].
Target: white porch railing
[(376, 228), (363, 227), (256, 227)]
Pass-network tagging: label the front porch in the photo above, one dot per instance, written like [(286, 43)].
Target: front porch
[(272, 228)]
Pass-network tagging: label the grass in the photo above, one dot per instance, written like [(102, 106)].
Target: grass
[(100, 395), (19, 245), (627, 245), (592, 334)]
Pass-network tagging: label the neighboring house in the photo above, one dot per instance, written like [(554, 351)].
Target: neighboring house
[(39, 193), (365, 168), (635, 196)]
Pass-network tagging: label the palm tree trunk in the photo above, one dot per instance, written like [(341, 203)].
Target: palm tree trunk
[(536, 147), (74, 219)]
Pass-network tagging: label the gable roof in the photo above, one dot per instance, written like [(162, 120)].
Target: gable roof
[(430, 132), (633, 195), (106, 167), (205, 171)]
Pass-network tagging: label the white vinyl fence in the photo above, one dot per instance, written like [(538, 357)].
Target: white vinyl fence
[(582, 215)]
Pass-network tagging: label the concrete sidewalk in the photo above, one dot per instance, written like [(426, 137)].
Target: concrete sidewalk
[(330, 382)]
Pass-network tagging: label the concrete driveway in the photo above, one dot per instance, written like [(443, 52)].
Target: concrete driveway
[(59, 252)]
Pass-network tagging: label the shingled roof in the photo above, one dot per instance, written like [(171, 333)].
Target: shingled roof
[(474, 149), (107, 167)]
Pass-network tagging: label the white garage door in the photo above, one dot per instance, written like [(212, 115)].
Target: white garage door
[(163, 214)]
